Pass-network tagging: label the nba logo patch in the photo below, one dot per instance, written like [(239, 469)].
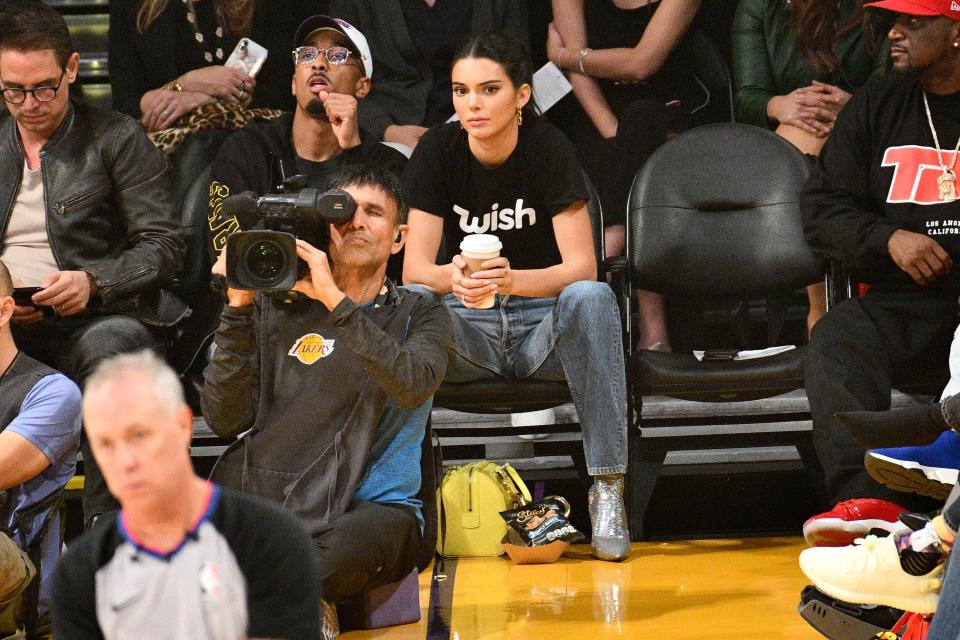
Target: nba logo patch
[(209, 581), (310, 348)]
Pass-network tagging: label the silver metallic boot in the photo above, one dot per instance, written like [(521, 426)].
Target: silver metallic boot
[(608, 516)]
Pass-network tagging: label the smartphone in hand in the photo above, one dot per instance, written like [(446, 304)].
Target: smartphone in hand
[(247, 56), (23, 296)]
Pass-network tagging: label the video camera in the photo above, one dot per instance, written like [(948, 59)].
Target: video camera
[(263, 255)]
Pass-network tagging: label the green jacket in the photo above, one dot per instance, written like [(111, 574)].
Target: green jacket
[(767, 64)]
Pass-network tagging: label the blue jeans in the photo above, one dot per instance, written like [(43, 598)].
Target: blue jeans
[(574, 337)]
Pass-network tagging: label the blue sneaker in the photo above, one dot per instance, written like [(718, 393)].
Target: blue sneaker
[(929, 471)]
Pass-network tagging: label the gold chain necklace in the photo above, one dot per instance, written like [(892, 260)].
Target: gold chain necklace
[(947, 179)]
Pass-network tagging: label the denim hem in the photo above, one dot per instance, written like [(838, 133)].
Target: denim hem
[(606, 471)]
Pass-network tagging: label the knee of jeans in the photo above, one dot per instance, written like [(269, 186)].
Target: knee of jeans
[(588, 292), (422, 290)]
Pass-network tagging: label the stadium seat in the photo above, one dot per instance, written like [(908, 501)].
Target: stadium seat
[(698, 54), (714, 215)]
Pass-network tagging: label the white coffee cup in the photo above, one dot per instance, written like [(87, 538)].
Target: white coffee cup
[(475, 249)]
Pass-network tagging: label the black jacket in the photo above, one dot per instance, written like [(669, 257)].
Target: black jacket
[(110, 209), (401, 346)]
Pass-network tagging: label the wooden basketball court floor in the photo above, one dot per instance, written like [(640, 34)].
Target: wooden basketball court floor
[(723, 589)]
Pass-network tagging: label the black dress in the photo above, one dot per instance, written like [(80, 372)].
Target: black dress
[(140, 62), (669, 101)]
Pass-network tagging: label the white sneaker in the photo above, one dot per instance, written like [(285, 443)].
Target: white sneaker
[(532, 419), (869, 572)]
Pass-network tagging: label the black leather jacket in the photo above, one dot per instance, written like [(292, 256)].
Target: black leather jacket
[(110, 209)]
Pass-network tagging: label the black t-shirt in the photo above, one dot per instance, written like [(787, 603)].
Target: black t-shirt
[(246, 569), (515, 200), (878, 173)]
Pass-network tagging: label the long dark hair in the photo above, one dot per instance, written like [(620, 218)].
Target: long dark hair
[(813, 24), (508, 52)]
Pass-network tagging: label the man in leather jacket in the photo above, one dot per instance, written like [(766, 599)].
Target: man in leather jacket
[(331, 395), (86, 214)]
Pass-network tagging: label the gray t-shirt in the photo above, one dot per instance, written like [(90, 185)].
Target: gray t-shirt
[(246, 569)]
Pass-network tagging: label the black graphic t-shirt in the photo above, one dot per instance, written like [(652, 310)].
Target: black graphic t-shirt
[(879, 172), (515, 201)]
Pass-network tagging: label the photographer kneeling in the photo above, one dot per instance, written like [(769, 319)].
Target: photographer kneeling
[(332, 392)]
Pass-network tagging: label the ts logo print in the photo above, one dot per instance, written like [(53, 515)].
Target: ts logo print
[(915, 174), (310, 348)]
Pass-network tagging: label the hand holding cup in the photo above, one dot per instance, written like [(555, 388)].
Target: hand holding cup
[(485, 273)]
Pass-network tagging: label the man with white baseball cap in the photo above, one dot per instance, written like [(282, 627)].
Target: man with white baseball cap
[(331, 75)]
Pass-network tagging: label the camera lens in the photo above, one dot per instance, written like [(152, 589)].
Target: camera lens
[(265, 260)]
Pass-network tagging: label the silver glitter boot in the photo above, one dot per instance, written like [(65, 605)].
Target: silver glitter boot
[(608, 516)]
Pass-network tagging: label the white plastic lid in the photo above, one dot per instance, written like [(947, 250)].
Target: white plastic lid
[(481, 243)]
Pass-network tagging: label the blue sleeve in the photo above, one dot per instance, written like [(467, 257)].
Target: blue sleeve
[(50, 417)]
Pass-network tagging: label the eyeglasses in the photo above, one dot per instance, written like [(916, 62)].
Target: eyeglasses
[(333, 55), (40, 94)]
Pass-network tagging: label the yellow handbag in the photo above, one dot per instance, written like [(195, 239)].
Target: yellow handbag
[(469, 502)]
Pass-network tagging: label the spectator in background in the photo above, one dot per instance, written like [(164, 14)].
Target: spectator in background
[(413, 42), (86, 213), (321, 135), (184, 558), (632, 97), (39, 439), (795, 65), (167, 56), (502, 169)]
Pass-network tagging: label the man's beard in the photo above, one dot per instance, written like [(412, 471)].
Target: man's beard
[(910, 72), (315, 108)]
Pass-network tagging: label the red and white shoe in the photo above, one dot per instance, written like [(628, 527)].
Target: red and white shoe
[(852, 519)]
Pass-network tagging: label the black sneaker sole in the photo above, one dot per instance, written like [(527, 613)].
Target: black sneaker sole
[(834, 624), (879, 616), (905, 480)]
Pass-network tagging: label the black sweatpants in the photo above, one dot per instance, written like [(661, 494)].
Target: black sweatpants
[(853, 354), (370, 545)]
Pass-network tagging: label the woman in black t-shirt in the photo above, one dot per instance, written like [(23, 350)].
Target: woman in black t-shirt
[(505, 172)]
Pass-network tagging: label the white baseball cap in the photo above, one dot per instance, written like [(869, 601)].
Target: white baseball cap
[(357, 42)]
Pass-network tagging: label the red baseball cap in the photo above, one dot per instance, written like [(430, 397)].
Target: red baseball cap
[(947, 8)]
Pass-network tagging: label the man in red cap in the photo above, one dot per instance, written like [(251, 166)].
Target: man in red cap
[(883, 201)]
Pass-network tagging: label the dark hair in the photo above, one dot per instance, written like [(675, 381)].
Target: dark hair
[(358, 175), (816, 32), (6, 282), (507, 51), (29, 25)]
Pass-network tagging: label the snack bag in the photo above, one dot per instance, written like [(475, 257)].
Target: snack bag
[(540, 523)]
